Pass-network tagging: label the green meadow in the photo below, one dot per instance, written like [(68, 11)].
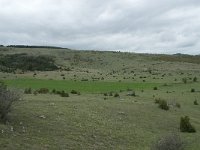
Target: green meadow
[(82, 86)]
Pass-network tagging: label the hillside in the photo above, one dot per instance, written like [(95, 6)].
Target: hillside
[(98, 99)]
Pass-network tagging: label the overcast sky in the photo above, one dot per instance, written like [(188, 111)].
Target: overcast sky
[(153, 26)]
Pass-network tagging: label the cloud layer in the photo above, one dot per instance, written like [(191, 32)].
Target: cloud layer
[(156, 26)]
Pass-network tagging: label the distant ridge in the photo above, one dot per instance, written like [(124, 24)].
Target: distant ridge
[(33, 46)]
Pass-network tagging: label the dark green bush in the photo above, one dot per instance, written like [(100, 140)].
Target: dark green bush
[(84, 80), (105, 94), (74, 92), (155, 88), (43, 91), (116, 95), (110, 94), (184, 80), (54, 91), (163, 105), (157, 100), (28, 91), (178, 105), (192, 90), (185, 125), (63, 94), (10, 63), (196, 103), (195, 79)]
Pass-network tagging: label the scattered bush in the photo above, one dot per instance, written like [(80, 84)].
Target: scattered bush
[(74, 92), (43, 91), (185, 125), (128, 89), (155, 88), (163, 105), (157, 100), (105, 94), (35, 92), (178, 105), (169, 142), (84, 80), (196, 103), (63, 94), (110, 94), (54, 91), (28, 91), (7, 98), (192, 90), (195, 79), (116, 95), (184, 80)]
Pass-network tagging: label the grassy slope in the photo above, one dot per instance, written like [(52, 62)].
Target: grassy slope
[(90, 122)]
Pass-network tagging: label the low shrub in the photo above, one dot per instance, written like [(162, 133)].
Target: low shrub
[(84, 80), (184, 80), (196, 103), (195, 79), (178, 105), (28, 91), (163, 105), (116, 95), (155, 88), (105, 94), (53, 91), (110, 94), (74, 92), (43, 91), (185, 125), (157, 100), (169, 142), (192, 90), (64, 94)]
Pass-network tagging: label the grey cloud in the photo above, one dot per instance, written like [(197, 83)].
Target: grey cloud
[(156, 26)]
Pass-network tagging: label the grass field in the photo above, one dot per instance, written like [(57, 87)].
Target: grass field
[(82, 86), (92, 120)]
